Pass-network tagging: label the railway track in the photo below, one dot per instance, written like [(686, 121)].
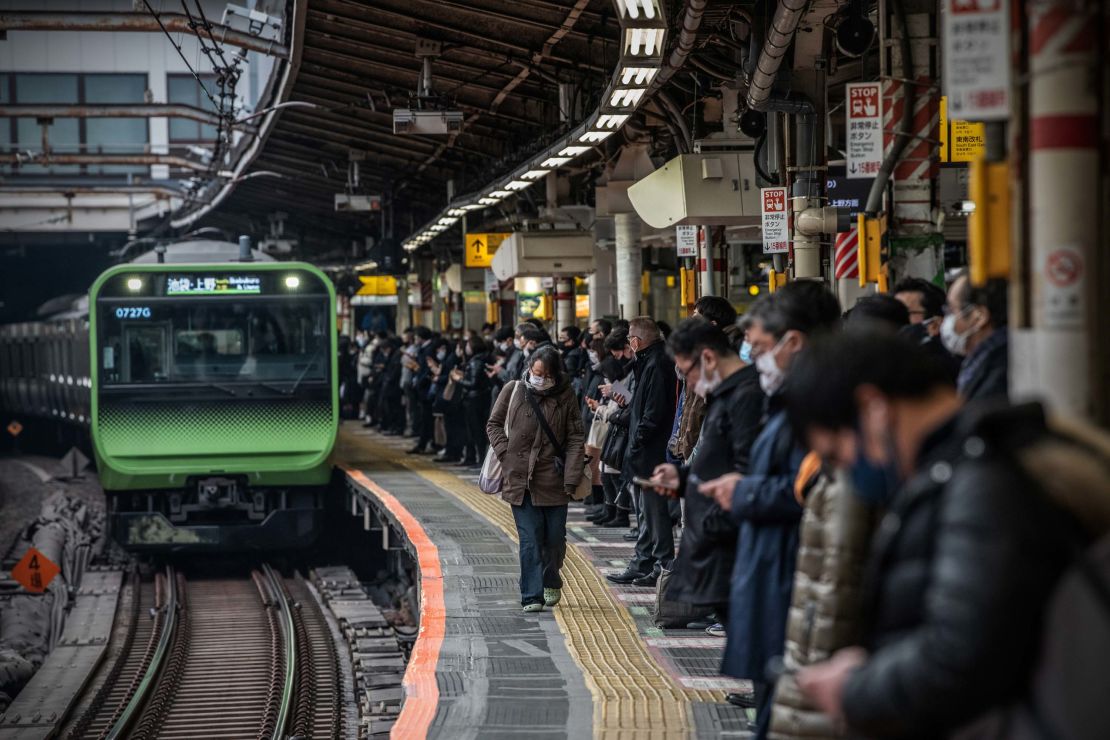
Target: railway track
[(229, 658)]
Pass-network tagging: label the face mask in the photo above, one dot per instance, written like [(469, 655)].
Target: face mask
[(875, 484), (361, 342), (441, 354), (540, 384), (771, 376), (518, 343), (746, 352), (707, 383), (594, 359), (505, 346), (953, 341)]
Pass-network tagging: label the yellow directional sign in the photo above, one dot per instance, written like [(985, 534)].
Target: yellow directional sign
[(960, 141), (377, 285), (479, 248)]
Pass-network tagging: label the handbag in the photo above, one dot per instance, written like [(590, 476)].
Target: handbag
[(439, 430), (668, 613), (598, 431), (616, 440), (586, 482), (490, 478)]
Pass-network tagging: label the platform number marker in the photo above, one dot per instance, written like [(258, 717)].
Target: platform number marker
[(865, 129), (35, 571), (776, 237)]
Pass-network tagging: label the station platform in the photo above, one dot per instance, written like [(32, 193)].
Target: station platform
[(595, 665)]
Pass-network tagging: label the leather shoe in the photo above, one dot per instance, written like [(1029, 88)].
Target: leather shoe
[(619, 519), (745, 701), (647, 581), (627, 576), (416, 451), (631, 536)]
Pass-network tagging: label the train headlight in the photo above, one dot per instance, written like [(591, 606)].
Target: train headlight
[(292, 281), (134, 284)]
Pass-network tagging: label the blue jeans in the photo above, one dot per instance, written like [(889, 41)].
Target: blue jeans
[(542, 531)]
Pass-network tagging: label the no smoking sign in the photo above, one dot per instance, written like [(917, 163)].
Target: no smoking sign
[(1062, 295)]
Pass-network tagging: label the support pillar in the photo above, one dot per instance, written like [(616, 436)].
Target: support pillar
[(402, 320), (1054, 359), (629, 264), (602, 284), (564, 303)]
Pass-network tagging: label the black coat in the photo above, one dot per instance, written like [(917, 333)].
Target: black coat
[(985, 372), (576, 361), (960, 569), (475, 383), (651, 413), (703, 567)]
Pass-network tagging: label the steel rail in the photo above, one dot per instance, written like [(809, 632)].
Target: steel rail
[(135, 705), (285, 709)]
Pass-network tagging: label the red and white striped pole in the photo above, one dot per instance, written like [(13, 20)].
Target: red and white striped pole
[(1054, 359), (846, 267)]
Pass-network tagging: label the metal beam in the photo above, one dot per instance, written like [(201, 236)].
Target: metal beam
[(137, 110), (45, 20), (70, 191), (138, 160)]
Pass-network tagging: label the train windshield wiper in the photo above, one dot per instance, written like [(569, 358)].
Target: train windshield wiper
[(224, 388)]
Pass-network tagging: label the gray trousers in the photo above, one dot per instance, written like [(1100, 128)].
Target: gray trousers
[(655, 545)]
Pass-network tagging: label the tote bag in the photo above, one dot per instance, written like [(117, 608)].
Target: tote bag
[(490, 477)]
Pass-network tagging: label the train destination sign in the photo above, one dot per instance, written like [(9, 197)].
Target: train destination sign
[(213, 285)]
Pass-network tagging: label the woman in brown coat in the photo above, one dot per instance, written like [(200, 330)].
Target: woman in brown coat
[(538, 475)]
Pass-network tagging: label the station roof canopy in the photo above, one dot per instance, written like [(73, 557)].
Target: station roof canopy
[(500, 63)]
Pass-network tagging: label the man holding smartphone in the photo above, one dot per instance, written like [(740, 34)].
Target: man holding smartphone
[(704, 356)]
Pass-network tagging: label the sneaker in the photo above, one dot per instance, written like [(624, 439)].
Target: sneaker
[(716, 630), (529, 608), (552, 596)]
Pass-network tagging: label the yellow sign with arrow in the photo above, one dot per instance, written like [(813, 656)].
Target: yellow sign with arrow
[(479, 248)]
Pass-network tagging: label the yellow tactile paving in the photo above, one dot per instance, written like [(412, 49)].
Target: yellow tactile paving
[(633, 696)]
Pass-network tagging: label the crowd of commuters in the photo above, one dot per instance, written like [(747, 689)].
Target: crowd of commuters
[(848, 498)]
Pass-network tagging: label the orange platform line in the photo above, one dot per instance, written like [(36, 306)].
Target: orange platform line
[(419, 683)]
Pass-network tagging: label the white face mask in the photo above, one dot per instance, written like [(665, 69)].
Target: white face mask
[(771, 376), (594, 359), (953, 341), (518, 343), (441, 354), (707, 383), (540, 384)]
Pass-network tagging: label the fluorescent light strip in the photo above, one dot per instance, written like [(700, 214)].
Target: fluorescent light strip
[(627, 98), (517, 185), (632, 8), (487, 201), (533, 174), (574, 151), (554, 162), (471, 207), (637, 75), (644, 41), (594, 137), (501, 194), (455, 211), (611, 121)]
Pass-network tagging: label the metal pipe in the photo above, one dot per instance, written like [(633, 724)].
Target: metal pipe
[(45, 20), (629, 264), (245, 249), (69, 191), (676, 117), (779, 37), (691, 22), (147, 110), (902, 135)]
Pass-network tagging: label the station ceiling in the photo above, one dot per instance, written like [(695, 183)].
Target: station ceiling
[(501, 64)]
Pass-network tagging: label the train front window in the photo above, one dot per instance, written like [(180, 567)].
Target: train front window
[(223, 340)]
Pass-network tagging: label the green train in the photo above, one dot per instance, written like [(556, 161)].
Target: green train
[(212, 404)]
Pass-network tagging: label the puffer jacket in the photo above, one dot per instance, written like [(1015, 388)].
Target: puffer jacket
[(825, 606), (960, 570), (475, 383), (526, 454)]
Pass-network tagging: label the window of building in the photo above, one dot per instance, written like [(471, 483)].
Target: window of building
[(184, 89), (75, 135)]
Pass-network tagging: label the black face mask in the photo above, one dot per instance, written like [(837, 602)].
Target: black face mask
[(627, 363), (915, 333)]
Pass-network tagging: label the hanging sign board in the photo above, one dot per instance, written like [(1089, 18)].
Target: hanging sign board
[(479, 248), (686, 240), (491, 281), (977, 59), (865, 129), (776, 237), (960, 141)]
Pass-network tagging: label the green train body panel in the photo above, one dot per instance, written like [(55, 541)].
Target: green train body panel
[(159, 444)]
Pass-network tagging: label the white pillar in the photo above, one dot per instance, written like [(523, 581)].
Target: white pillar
[(629, 264), (602, 284), (1053, 359), (402, 320), (705, 261)]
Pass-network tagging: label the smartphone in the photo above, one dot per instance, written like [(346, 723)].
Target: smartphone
[(648, 483)]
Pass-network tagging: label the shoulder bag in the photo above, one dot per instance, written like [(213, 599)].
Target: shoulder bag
[(585, 483), (490, 478)]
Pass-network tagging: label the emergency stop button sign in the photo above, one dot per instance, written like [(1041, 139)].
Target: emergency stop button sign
[(35, 571)]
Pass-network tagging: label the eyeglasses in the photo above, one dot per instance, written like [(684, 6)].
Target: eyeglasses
[(682, 375)]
